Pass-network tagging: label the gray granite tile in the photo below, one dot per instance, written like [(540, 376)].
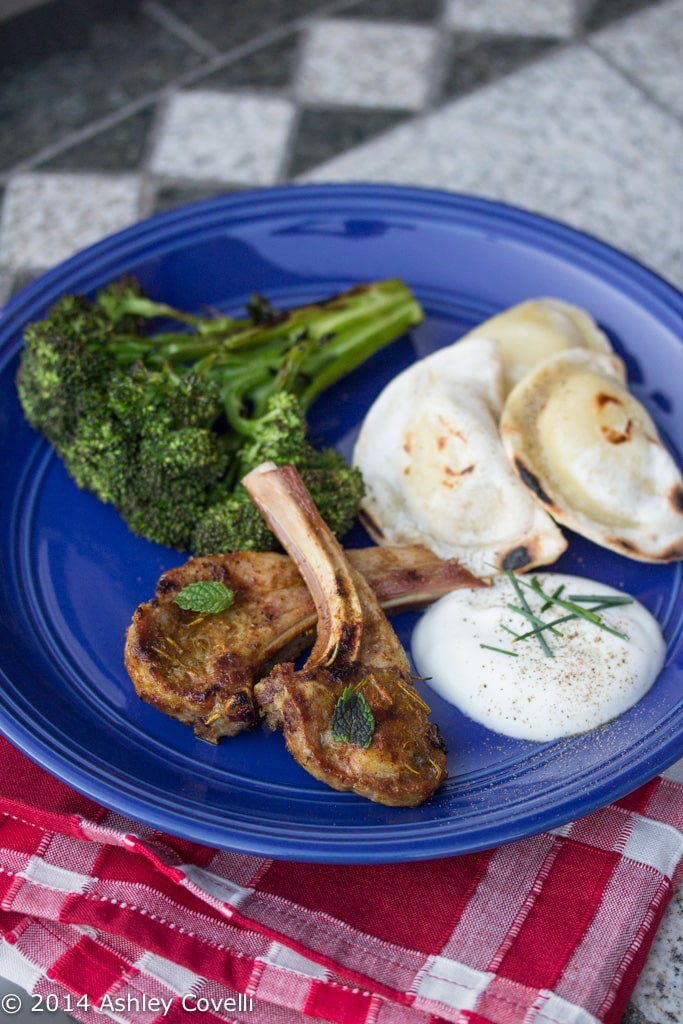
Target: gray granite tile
[(418, 11), (271, 66), (235, 138), (648, 47), (119, 148), (229, 25), (48, 217), (552, 18), (323, 133), (22, 278), (36, 32), (633, 1016), (171, 196), (474, 59), (658, 995), (6, 273), (565, 136), (368, 64), (125, 59), (604, 12), (6, 286)]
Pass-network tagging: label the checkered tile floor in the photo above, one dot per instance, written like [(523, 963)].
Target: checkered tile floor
[(567, 107), (571, 108)]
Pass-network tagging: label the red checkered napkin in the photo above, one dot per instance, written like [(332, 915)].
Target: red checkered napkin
[(101, 915)]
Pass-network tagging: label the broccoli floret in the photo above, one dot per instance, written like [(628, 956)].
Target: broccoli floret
[(97, 453), (279, 435), (65, 368), (164, 501), (336, 488), (231, 522), (163, 421)]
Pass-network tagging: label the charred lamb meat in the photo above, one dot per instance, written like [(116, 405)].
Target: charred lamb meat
[(351, 716), (201, 669)]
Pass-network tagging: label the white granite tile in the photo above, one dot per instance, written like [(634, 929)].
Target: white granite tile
[(555, 18), (566, 137), (659, 991), (367, 64), (229, 137), (648, 47), (48, 217)]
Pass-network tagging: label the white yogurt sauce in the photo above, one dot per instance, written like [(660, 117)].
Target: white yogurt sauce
[(592, 677)]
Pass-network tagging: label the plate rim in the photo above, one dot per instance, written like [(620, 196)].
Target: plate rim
[(97, 261)]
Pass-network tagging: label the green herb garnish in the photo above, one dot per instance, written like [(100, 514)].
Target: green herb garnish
[(576, 610), (499, 650), (352, 719), (526, 609), (549, 603), (206, 596), (573, 605)]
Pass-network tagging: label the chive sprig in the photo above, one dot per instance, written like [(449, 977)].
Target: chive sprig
[(574, 605)]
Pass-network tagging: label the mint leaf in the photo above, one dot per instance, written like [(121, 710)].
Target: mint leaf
[(207, 596), (352, 719)]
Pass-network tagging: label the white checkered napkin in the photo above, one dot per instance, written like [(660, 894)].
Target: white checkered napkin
[(119, 920)]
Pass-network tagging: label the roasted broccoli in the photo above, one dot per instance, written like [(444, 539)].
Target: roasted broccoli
[(161, 412), (231, 519)]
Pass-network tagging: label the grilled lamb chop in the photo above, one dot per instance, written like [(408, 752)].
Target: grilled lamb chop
[(352, 716), (202, 669)]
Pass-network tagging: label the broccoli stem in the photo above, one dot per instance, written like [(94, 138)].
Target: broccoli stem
[(125, 302), (356, 340), (304, 350)]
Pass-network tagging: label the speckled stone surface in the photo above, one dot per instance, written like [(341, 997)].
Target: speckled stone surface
[(45, 218), (570, 108), (124, 61), (566, 136), (222, 137), (658, 995), (553, 17), (648, 49), (366, 64)]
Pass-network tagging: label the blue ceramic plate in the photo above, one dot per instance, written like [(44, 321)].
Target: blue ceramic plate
[(71, 574)]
